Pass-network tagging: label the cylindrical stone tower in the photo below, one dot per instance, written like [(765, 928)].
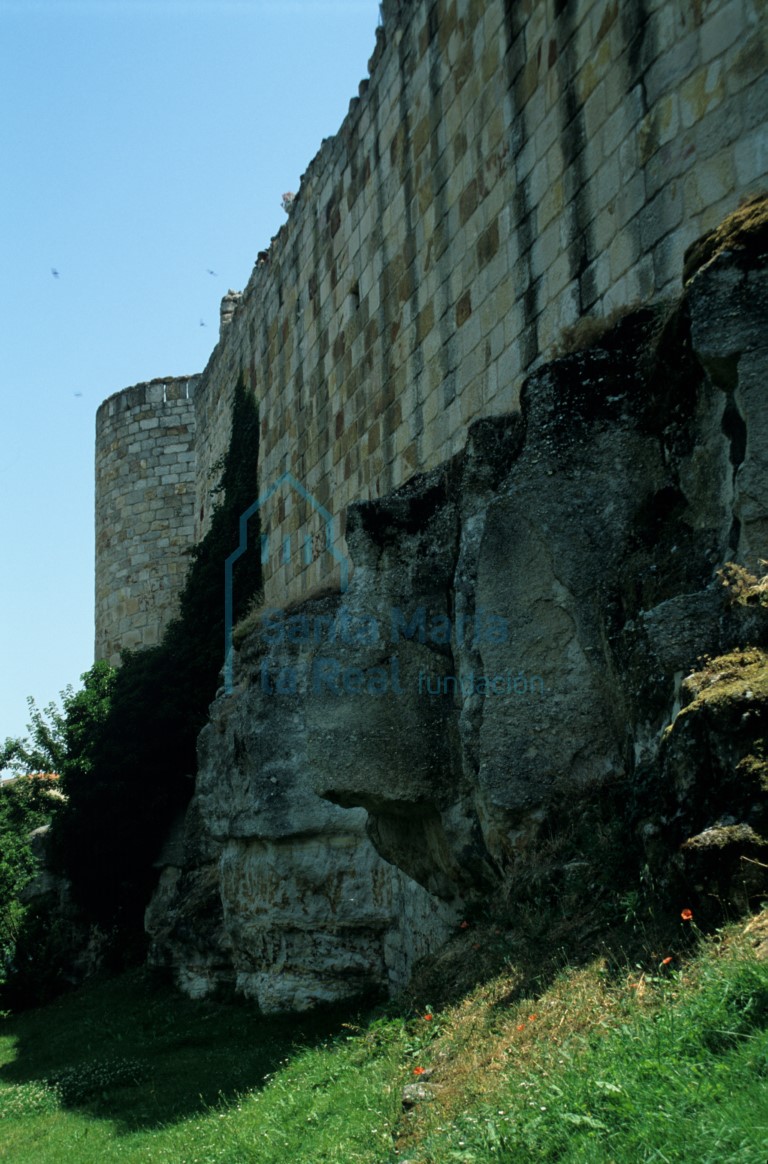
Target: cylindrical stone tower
[(145, 497)]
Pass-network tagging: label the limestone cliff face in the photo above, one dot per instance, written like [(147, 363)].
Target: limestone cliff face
[(280, 893), (500, 698)]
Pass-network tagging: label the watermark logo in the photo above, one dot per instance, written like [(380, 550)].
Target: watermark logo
[(311, 544), (327, 675)]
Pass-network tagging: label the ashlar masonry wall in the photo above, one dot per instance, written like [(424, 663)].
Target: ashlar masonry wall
[(145, 497), (509, 168)]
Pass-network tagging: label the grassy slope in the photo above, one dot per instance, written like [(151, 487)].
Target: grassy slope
[(653, 1062)]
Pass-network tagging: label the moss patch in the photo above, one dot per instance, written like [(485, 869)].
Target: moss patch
[(743, 588), (745, 230), (725, 836), (739, 675)]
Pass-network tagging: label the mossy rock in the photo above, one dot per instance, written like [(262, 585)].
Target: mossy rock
[(738, 678), (714, 763), (744, 231), (724, 837), (728, 862)]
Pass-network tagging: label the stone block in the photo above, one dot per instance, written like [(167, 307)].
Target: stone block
[(747, 61), (751, 159), (594, 69), (672, 67), (640, 281), (591, 157), (525, 159), (608, 182), (470, 335), (595, 111), (706, 183), (552, 205), (631, 198), (595, 280), (668, 254), (548, 132), (545, 249), (658, 127), (724, 26), (558, 276), (623, 252), (702, 91)]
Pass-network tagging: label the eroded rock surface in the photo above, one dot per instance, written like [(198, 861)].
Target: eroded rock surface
[(308, 911), (490, 701)]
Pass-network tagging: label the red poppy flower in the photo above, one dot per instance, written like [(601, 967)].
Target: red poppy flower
[(419, 1070), (521, 1026), (427, 1018), (666, 961), (686, 914), (531, 1018)]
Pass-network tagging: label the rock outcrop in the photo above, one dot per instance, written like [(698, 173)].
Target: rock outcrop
[(498, 704), (282, 894)]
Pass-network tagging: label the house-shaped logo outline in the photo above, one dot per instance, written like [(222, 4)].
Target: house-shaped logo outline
[(245, 517)]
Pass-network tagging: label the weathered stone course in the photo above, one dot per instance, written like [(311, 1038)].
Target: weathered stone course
[(508, 169), (596, 180)]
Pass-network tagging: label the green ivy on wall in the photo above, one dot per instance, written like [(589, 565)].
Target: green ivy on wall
[(120, 807)]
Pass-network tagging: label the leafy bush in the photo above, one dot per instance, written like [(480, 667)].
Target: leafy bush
[(40, 940), (44, 749), (25, 804)]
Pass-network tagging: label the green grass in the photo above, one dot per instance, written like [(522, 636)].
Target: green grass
[(128, 1070), (655, 1063), (688, 1082)]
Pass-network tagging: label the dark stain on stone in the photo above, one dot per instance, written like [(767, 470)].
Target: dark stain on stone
[(488, 243), (447, 354), (333, 217), (464, 308), (638, 37), (573, 140), (407, 510), (608, 20), (523, 212)]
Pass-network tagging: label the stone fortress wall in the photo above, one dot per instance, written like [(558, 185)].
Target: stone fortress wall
[(145, 496), (508, 169)]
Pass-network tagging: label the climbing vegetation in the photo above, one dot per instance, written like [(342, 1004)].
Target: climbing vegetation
[(136, 774)]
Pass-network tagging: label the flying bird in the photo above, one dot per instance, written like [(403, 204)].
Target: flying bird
[(54, 272), (202, 323), (78, 394), (210, 272)]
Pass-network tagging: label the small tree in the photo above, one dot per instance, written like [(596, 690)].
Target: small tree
[(59, 737), (44, 749), (25, 804), (59, 741)]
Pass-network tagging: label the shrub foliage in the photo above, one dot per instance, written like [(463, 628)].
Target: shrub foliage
[(24, 806)]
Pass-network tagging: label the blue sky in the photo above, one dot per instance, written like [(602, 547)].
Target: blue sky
[(143, 142)]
